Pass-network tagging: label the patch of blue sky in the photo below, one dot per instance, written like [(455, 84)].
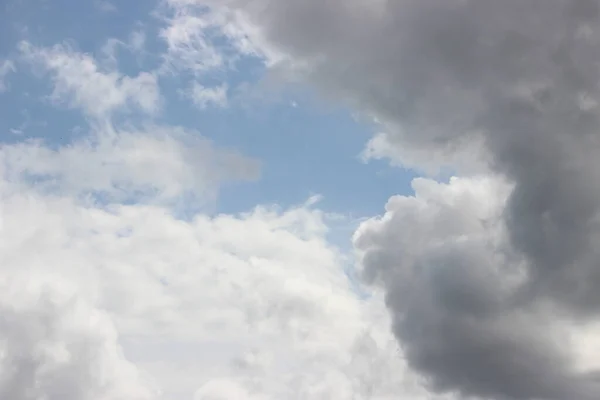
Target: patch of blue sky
[(28, 112), (47, 22), (304, 151), (305, 148)]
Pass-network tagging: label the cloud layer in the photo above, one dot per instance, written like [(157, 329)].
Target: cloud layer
[(253, 305)]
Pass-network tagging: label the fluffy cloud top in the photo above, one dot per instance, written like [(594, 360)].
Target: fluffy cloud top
[(254, 305), (456, 287)]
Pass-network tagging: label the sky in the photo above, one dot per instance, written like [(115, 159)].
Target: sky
[(292, 134), (280, 199)]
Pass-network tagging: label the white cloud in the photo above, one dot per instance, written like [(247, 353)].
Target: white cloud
[(154, 164), (224, 390), (189, 47), (254, 305), (259, 300), (202, 39), (468, 158), (135, 44), (54, 345), (79, 82), (6, 67), (416, 227), (204, 97)]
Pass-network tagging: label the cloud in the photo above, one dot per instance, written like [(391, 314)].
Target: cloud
[(201, 39), (255, 304), (189, 46), (453, 283), (154, 164), (6, 67), (223, 390), (135, 43), (54, 345), (204, 97), (507, 89), (80, 83)]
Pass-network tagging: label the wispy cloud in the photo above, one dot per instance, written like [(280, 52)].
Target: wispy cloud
[(158, 165), (79, 82), (190, 46), (6, 67), (204, 97)]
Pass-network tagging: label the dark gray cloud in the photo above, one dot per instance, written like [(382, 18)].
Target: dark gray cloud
[(454, 282), (521, 77)]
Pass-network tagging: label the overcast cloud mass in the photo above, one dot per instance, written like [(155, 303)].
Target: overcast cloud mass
[(118, 282)]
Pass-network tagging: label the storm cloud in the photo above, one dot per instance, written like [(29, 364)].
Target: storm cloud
[(484, 275)]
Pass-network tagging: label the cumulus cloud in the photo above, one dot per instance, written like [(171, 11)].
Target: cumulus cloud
[(80, 83), (55, 345), (454, 283), (508, 89), (253, 305)]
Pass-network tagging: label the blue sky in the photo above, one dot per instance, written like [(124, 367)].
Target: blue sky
[(305, 145)]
